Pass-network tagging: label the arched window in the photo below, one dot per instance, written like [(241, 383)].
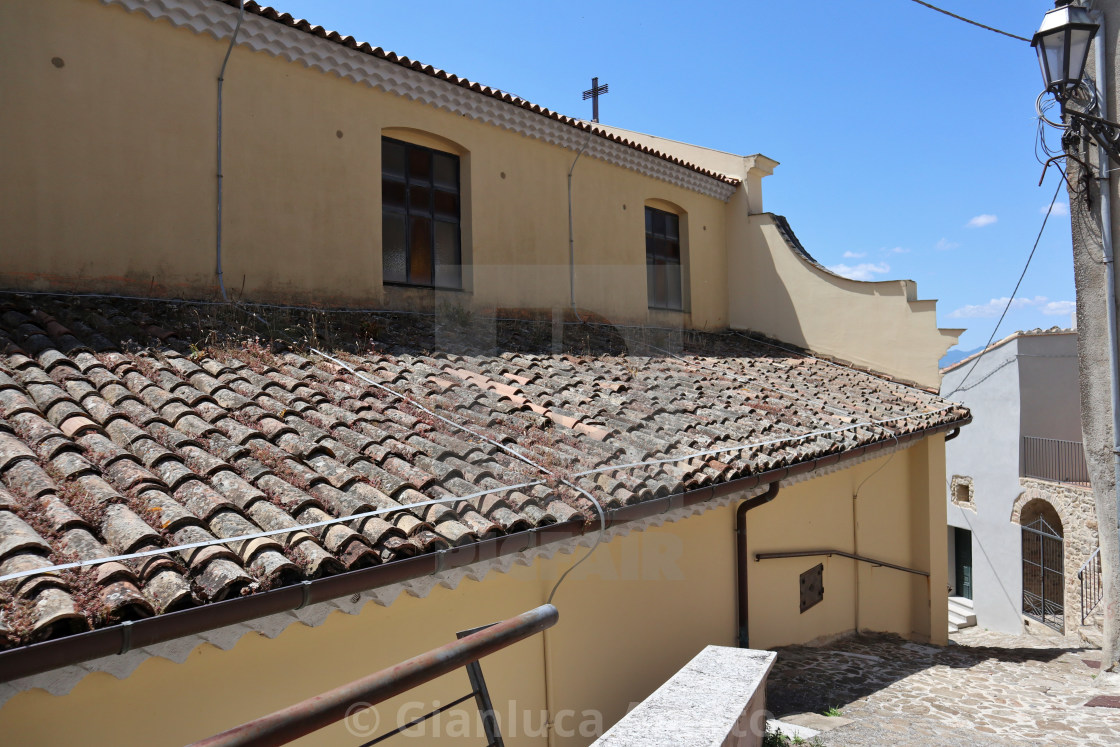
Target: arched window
[(666, 255), (421, 226)]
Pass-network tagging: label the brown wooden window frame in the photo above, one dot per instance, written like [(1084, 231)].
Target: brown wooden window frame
[(664, 261), (420, 211)]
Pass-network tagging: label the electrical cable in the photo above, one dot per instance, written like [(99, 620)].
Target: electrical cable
[(508, 449), (514, 452), (974, 23), (754, 444), (1007, 306), (263, 533), (452, 499)]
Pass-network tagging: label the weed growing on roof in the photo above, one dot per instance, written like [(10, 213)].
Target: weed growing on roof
[(84, 589), (17, 618), (76, 496)]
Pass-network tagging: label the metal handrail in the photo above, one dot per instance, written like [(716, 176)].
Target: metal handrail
[(842, 553), (1092, 582), (323, 710)]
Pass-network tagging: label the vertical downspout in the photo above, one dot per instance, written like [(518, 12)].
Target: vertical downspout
[(741, 558), (571, 232), (221, 81), (1104, 179)]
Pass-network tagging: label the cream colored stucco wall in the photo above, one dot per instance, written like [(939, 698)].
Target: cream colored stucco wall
[(114, 161), (638, 610), (881, 325)]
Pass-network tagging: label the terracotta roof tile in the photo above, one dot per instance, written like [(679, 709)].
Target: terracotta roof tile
[(168, 445)]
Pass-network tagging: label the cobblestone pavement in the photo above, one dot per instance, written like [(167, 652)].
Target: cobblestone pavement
[(983, 689)]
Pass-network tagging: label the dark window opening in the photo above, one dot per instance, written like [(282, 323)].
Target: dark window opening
[(420, 240), (663, 260)]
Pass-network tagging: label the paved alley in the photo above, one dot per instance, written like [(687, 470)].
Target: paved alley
[(984, 689)]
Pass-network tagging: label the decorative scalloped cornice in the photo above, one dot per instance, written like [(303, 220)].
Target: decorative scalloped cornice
[(262, 35), (63, 680)]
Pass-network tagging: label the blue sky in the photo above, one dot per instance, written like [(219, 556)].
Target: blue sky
[(906, 138)]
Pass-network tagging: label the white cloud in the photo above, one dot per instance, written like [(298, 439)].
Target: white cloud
[(898, 250), (1059, 308), (862, 271), (995, 307), (1060, 210), (982, 220), (944, 245), (854, 255)]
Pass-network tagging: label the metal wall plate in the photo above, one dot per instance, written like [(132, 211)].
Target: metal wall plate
[(812, 586)]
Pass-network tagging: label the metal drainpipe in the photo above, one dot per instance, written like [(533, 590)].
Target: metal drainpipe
[(741, 557), (571, 232), (1104, 179), (221, 82)]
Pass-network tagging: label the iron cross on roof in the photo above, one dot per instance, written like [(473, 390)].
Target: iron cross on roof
[(593, 93)]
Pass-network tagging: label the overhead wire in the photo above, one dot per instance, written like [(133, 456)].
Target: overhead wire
[(515, 452), (1014, 292), (974, 23)]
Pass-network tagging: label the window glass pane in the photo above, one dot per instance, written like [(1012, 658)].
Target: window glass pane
[(658, 292), (446, 171), (393, 247), (673, 286), (419, 165), (392, 194), (671, 250), (447, 205), (671, 223), (420, 251), (649, 220), (448, 270), (659, 222), (392, 158), (419, 199)]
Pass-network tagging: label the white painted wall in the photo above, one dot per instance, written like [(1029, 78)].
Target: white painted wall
[(1026, 386)]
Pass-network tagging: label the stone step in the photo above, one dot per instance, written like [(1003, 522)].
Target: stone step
[(961, 605), (953, 628), (961, 621), (1091, 636)]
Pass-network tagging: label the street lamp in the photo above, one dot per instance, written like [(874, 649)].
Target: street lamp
[(1062, 44)]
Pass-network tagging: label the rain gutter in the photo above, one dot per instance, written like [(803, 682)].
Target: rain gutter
[(43, 657)]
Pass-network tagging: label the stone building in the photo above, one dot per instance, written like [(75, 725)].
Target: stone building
[(1022, 529)]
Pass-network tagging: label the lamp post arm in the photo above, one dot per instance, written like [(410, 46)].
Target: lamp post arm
[(1106, 134)]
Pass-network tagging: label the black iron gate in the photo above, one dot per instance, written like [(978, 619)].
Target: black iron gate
[(1043, 578)]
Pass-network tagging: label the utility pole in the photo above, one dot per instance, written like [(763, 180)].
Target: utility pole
[(1080, 84)]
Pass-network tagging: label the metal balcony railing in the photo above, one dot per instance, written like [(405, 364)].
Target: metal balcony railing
[(1055, 460)]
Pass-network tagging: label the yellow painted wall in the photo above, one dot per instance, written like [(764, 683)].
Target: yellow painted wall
[(638, 610), (881, 325), (115, 156)]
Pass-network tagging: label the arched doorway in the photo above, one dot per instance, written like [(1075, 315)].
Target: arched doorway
[(1043, 561)]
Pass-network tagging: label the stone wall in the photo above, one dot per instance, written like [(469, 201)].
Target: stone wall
[(1074, 505)]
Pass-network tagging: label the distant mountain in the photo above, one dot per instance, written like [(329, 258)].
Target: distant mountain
[(956, 354)]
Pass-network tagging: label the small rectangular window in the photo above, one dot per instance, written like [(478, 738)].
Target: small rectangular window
[(663, 260), (420, 243)]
